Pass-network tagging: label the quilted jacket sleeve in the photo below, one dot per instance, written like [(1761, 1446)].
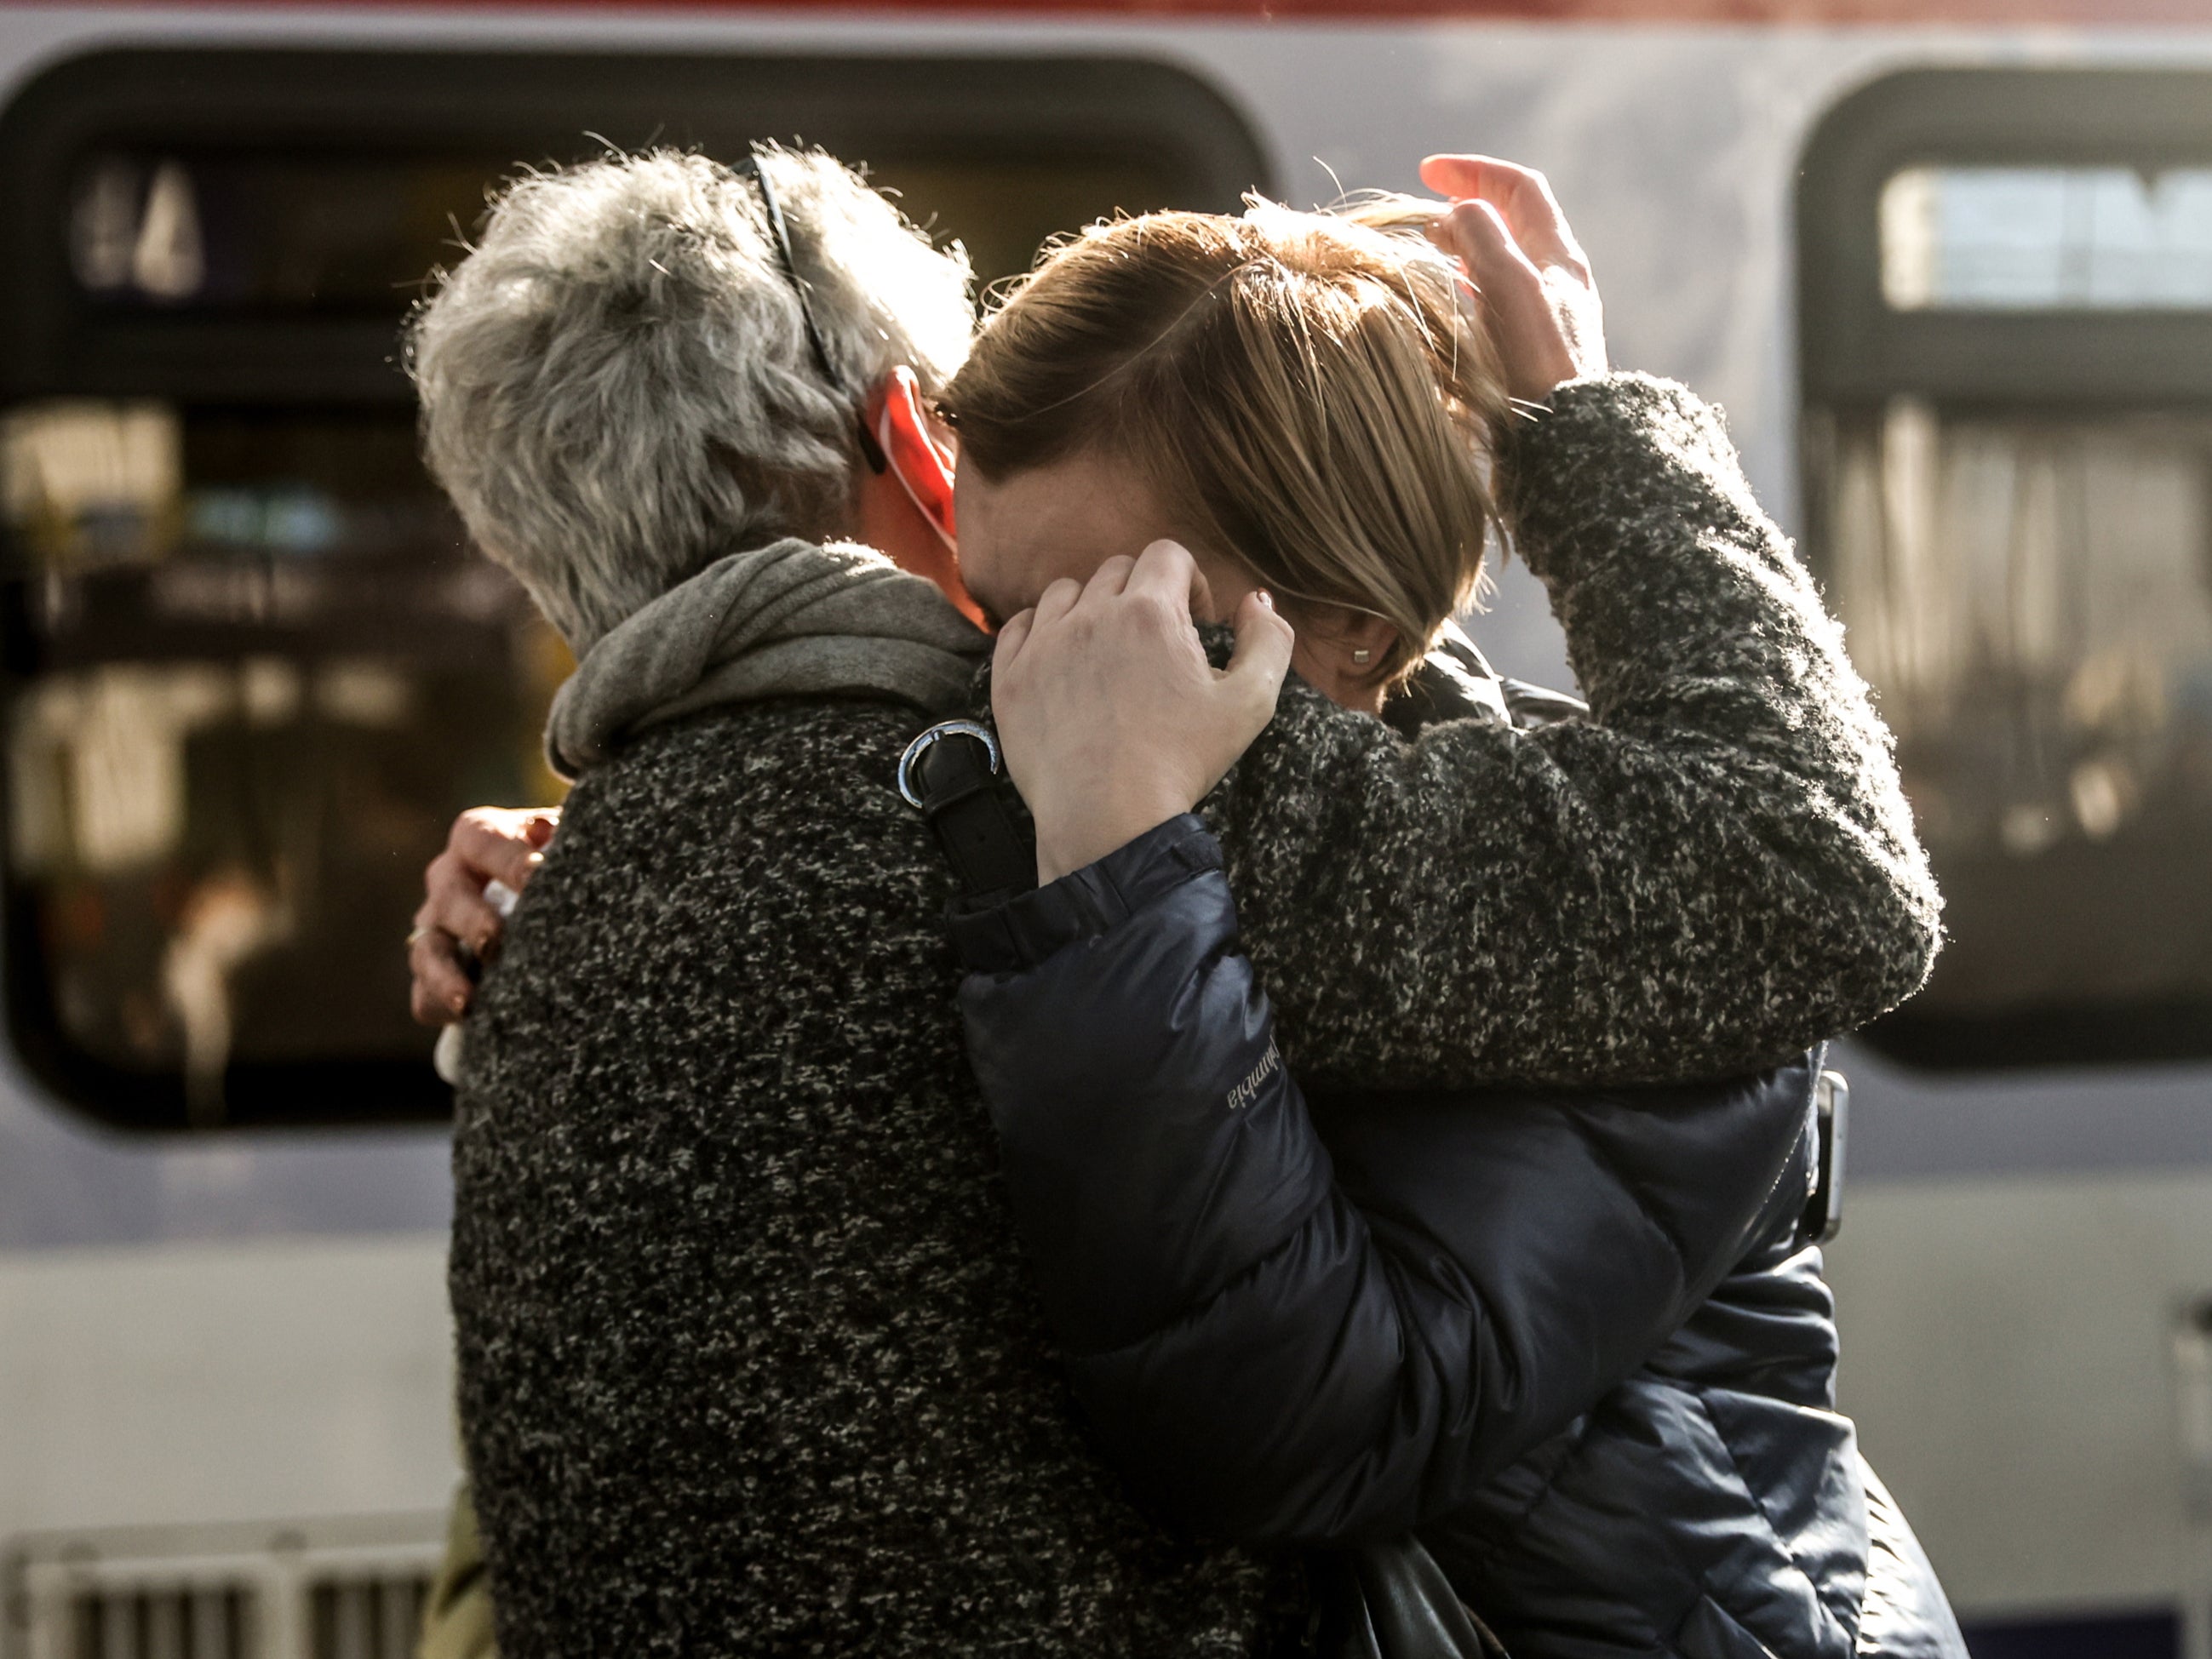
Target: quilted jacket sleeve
[(1276, 1348), (1715, 871)]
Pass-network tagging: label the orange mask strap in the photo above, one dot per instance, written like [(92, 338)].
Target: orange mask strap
[(924, 474), (920, 467)]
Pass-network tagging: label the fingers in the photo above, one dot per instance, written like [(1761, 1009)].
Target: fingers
[(1262, 656), (486, 845), (1166, 573), (1055, 602), (1533, 345), (1522, 194), (500, 846), (1110, 578), (455, 904), (442, 988), (1477, 233)]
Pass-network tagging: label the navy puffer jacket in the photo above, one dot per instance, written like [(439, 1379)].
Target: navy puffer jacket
[(1572, 1338)]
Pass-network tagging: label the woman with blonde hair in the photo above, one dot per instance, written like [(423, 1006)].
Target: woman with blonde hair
[(1493, 1229)]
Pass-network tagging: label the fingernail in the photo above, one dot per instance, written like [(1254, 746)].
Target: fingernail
[(1266, 598)]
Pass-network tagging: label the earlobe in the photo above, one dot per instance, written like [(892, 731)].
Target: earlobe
[(1364, 641), (1354, 646), (924, 473)]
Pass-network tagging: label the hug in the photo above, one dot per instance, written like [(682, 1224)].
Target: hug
[(1373, 1151)]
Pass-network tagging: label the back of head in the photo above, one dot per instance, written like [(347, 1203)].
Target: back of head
[(617, 385), (1308, 393)]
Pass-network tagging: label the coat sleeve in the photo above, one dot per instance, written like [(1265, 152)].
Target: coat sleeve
[(1271, 1348), (1716, 870)]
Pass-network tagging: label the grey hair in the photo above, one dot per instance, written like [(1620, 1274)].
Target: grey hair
[(615, 384)]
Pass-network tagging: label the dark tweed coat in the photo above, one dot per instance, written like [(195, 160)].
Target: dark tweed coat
[(748, 1361)]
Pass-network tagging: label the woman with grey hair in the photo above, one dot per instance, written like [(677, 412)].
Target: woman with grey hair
[(621, 381), (747, 1360), (748, 1363), (641, 366)]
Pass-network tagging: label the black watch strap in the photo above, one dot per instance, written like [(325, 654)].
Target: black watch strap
[(950, 774)]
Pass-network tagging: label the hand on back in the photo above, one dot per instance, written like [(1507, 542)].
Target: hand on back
[(1111, 718), (457, 922), (1539, 300)]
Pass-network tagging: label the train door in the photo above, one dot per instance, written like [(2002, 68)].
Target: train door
[(2006, 344)]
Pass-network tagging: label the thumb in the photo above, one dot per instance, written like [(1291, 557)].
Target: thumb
[(1262, 656)]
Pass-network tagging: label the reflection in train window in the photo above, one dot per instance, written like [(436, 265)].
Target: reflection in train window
[(206, 229), (2018, 535), (2032, 599), (253, 668), (264, 671), (268, 229)]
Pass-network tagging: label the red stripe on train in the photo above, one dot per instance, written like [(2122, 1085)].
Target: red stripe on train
[(1890, 13)]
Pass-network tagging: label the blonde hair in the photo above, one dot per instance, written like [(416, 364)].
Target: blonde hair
[(1307, 391)]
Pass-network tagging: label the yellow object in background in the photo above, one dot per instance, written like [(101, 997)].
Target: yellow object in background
[(457, 1619)]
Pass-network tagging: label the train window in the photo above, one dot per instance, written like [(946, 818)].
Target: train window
[(2046, 239), (2006, 278), (250, 667), (268, 232)]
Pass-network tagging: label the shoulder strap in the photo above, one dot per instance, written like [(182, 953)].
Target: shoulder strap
[(951, 776)]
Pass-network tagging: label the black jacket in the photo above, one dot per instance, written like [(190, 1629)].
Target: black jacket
[(1573, 1338)]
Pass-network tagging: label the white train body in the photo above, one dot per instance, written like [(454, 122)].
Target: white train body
[(249, 1326)]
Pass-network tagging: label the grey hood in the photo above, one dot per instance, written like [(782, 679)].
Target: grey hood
[(791, 619)]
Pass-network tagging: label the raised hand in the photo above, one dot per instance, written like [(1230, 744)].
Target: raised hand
[(1539, 300), (1111, 718)]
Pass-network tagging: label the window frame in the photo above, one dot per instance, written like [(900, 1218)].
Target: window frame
[(55, 343), (538, 103), (1853, 348), (1856, 353)]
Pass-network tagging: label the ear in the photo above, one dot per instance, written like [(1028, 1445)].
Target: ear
[(901, 426), (1360, 641), (1329, 652)]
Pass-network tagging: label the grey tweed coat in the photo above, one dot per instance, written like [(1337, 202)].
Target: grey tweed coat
[(749, 1361)]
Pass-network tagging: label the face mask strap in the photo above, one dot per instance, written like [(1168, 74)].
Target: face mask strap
[(915, 461)]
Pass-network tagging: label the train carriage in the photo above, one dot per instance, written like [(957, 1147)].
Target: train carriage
[(1947, 266)]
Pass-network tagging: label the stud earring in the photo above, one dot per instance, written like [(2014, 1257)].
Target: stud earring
[(1361, 654)]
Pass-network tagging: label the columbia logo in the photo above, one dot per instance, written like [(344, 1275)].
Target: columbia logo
[(1249, 1090)]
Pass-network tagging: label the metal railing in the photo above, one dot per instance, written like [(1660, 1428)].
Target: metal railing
[(349, 1587)]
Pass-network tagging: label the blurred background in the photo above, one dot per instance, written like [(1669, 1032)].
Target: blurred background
[(1948, 268)]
